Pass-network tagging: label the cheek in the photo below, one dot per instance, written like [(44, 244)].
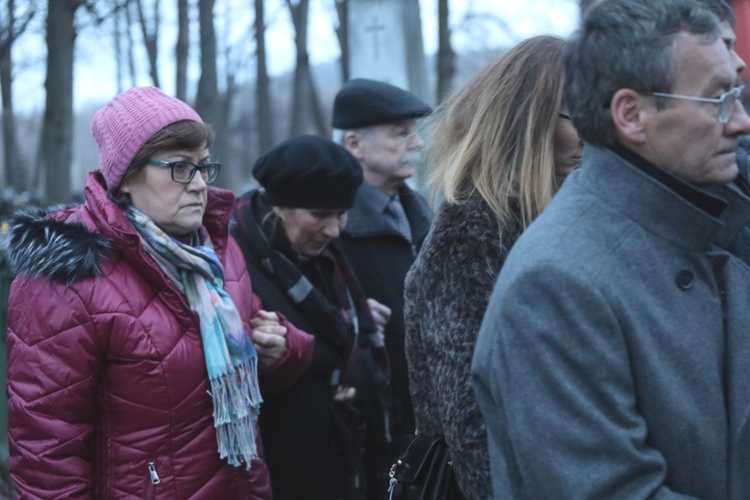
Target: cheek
[(163, 203), (561, 145), (296, 235), (161, 208), (700, 139), (403, 148)]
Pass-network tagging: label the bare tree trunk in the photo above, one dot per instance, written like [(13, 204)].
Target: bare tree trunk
[(417, 67), (207, 102), (118, 45), (222, 148), (131, 43), (445, 57), (262, 84), (151, 38), (55, 148), (15, 168), (207, 98), (305, 96), (342, 33), (182, 48)]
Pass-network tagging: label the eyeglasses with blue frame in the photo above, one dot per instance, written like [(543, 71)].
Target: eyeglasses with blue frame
[(184, 171), (725, 101)]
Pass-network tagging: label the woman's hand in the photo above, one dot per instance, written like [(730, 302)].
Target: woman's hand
[(381, 313), (269, 338), (344, 394)]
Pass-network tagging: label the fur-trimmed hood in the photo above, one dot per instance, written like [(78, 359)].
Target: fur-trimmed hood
[(69, 244), (43, 243)]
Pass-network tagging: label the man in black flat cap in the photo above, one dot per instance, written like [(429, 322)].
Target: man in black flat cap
[(388, 222)]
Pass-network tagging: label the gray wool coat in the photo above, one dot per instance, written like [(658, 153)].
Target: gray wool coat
[(446, 294), (614, 359)]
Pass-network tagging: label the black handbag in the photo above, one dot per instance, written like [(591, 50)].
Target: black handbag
[(424, 471)]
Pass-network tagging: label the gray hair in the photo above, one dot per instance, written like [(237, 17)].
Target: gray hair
[(626, 44), (720, 9), (339, 135)]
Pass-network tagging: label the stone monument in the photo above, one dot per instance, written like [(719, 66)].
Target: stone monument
[(385, 43)]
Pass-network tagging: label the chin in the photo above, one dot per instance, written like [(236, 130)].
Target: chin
[(406, 171), (189, 227), (724, 174), (312, 253)]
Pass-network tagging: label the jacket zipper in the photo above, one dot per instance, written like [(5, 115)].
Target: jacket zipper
[(151, 481), (152, 473)]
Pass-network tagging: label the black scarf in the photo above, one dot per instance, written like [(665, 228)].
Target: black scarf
[(341, 324), (347, 326)]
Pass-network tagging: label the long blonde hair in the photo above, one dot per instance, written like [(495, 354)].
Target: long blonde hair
[(494, 135)]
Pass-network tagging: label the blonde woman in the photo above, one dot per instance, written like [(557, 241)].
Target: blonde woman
[(499, 148)]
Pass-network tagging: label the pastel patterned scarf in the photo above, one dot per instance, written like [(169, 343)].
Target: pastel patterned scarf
[(231, 359)]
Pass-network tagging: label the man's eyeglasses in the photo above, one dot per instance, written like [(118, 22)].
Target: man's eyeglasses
[(725, 101), (184, 171)]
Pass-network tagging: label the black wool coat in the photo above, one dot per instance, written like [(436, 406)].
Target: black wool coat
[(381, 257), (309, 441)]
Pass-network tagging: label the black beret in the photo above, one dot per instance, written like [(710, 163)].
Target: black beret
[(362, 103), (309, 171)]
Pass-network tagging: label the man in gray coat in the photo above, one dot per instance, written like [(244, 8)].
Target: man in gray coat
[(614, 358)]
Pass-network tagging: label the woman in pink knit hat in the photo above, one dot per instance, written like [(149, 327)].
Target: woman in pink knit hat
[(135, 339)]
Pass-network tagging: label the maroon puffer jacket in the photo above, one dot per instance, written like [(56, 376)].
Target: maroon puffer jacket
[(108, 388)]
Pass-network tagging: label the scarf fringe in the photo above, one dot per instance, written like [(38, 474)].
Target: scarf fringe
[(237, 399), (237, 442)]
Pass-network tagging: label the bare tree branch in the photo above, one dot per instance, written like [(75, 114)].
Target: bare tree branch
[(150, 38)]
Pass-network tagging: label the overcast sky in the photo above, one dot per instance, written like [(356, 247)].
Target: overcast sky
[(476, 23)]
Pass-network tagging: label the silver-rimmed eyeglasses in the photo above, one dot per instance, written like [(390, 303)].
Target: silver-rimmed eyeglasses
[(184, 171), (725, 101)]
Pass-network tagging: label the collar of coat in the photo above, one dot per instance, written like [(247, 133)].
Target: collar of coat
[(68, 244), (657, 207), (366, 218)]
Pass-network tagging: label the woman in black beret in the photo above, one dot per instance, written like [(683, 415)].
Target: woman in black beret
[(313, 431)]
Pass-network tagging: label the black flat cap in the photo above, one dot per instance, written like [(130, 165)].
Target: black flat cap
[(309, 171), (362, 103)]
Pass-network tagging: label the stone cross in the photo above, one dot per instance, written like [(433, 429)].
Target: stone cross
[(375, 28), (385, 43)]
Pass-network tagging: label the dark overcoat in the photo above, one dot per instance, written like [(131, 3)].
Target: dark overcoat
[(310, 451), (381, 257)]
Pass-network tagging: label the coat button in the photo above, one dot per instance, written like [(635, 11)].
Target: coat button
[(685, 279)]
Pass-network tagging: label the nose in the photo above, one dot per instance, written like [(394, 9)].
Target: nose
[(197, 183), (739, 63), (739, 121), (416, 141), (332, 228)]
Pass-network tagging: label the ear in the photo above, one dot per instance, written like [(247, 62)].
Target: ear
[(629, 108), (353, 142)]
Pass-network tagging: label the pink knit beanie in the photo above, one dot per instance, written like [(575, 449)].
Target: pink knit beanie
[(128, 121)]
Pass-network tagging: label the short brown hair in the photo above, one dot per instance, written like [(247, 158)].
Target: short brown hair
[(185, 134)]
